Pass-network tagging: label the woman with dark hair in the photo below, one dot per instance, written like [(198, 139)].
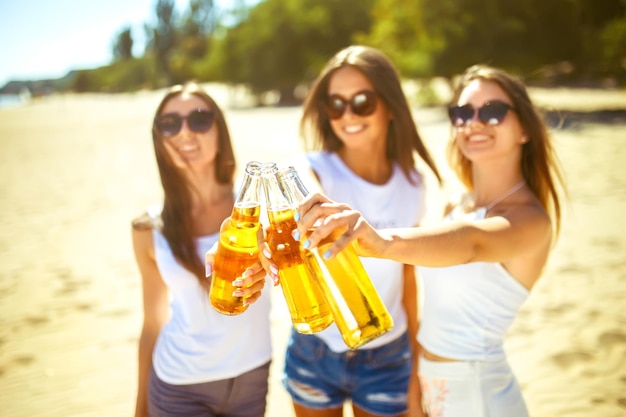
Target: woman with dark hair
[(362, 142), (193, 360), (478, 266)]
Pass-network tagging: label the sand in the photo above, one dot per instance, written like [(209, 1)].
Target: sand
[(75, 169)]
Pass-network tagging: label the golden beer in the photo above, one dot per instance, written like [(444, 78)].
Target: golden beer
[(237, 250), (310, 312), (359, 312)]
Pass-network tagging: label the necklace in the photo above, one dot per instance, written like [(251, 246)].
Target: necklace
[(468, 204), (467, 209), (504, 195)]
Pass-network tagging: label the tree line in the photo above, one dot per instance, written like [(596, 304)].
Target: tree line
[(278, 45)]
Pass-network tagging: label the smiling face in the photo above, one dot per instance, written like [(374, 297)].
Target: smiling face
[(479, 141), (355, 131), (188, 148)]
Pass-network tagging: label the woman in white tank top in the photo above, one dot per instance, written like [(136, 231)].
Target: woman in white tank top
[(193, 360), (478, 266)]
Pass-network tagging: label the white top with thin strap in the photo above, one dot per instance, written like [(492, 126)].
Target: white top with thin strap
[(467, 309)]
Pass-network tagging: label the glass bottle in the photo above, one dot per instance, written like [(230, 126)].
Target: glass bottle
[(237, 248), (309, 310), (359, 312)]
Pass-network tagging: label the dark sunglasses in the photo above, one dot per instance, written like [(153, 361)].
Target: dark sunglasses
[(491, 113), (199, 121), (362, 103)]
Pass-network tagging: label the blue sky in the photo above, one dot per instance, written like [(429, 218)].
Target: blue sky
[(47, 38)]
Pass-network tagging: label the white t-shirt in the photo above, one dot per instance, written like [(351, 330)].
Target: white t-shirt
[(398, 203)]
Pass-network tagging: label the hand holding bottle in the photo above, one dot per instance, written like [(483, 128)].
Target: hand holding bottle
[(250, 285), (237, 247), (317, 290), (360, 314), (319, 218)]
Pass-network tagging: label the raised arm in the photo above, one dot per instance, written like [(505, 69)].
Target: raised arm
[(515, 233)]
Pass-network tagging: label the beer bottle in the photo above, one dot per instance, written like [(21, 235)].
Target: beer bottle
[(359, 312), (309, 310), (237, 248)]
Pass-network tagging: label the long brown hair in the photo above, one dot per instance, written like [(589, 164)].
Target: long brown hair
[(177, 225), (402, 138), (540, 165)]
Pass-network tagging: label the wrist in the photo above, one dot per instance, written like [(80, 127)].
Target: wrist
[(385, 243)]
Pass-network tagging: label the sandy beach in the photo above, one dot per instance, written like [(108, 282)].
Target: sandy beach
[(74, 170)]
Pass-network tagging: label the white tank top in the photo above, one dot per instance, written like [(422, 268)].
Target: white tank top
[(198, 344), (467, 309), (398, 203)]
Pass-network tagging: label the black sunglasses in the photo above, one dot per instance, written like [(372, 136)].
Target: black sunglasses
[(362, 103), (491, 113), (199, 121)]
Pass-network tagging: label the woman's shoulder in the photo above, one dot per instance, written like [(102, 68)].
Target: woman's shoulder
[(315, 158), (326, 163), (150, 219), (142, 222), (529, 215)]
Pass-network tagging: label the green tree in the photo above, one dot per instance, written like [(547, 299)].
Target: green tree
[(123, 46), (519, 36), (196, 29), (197, 26), (281, 44), (443, 37), (163, 37), (82, 82), (603, 44), (613, 49), (398, 30)]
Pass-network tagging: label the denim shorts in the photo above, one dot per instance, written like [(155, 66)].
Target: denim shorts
[(376, 380)]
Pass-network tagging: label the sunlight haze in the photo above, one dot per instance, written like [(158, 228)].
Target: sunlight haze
[(46, 39)]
